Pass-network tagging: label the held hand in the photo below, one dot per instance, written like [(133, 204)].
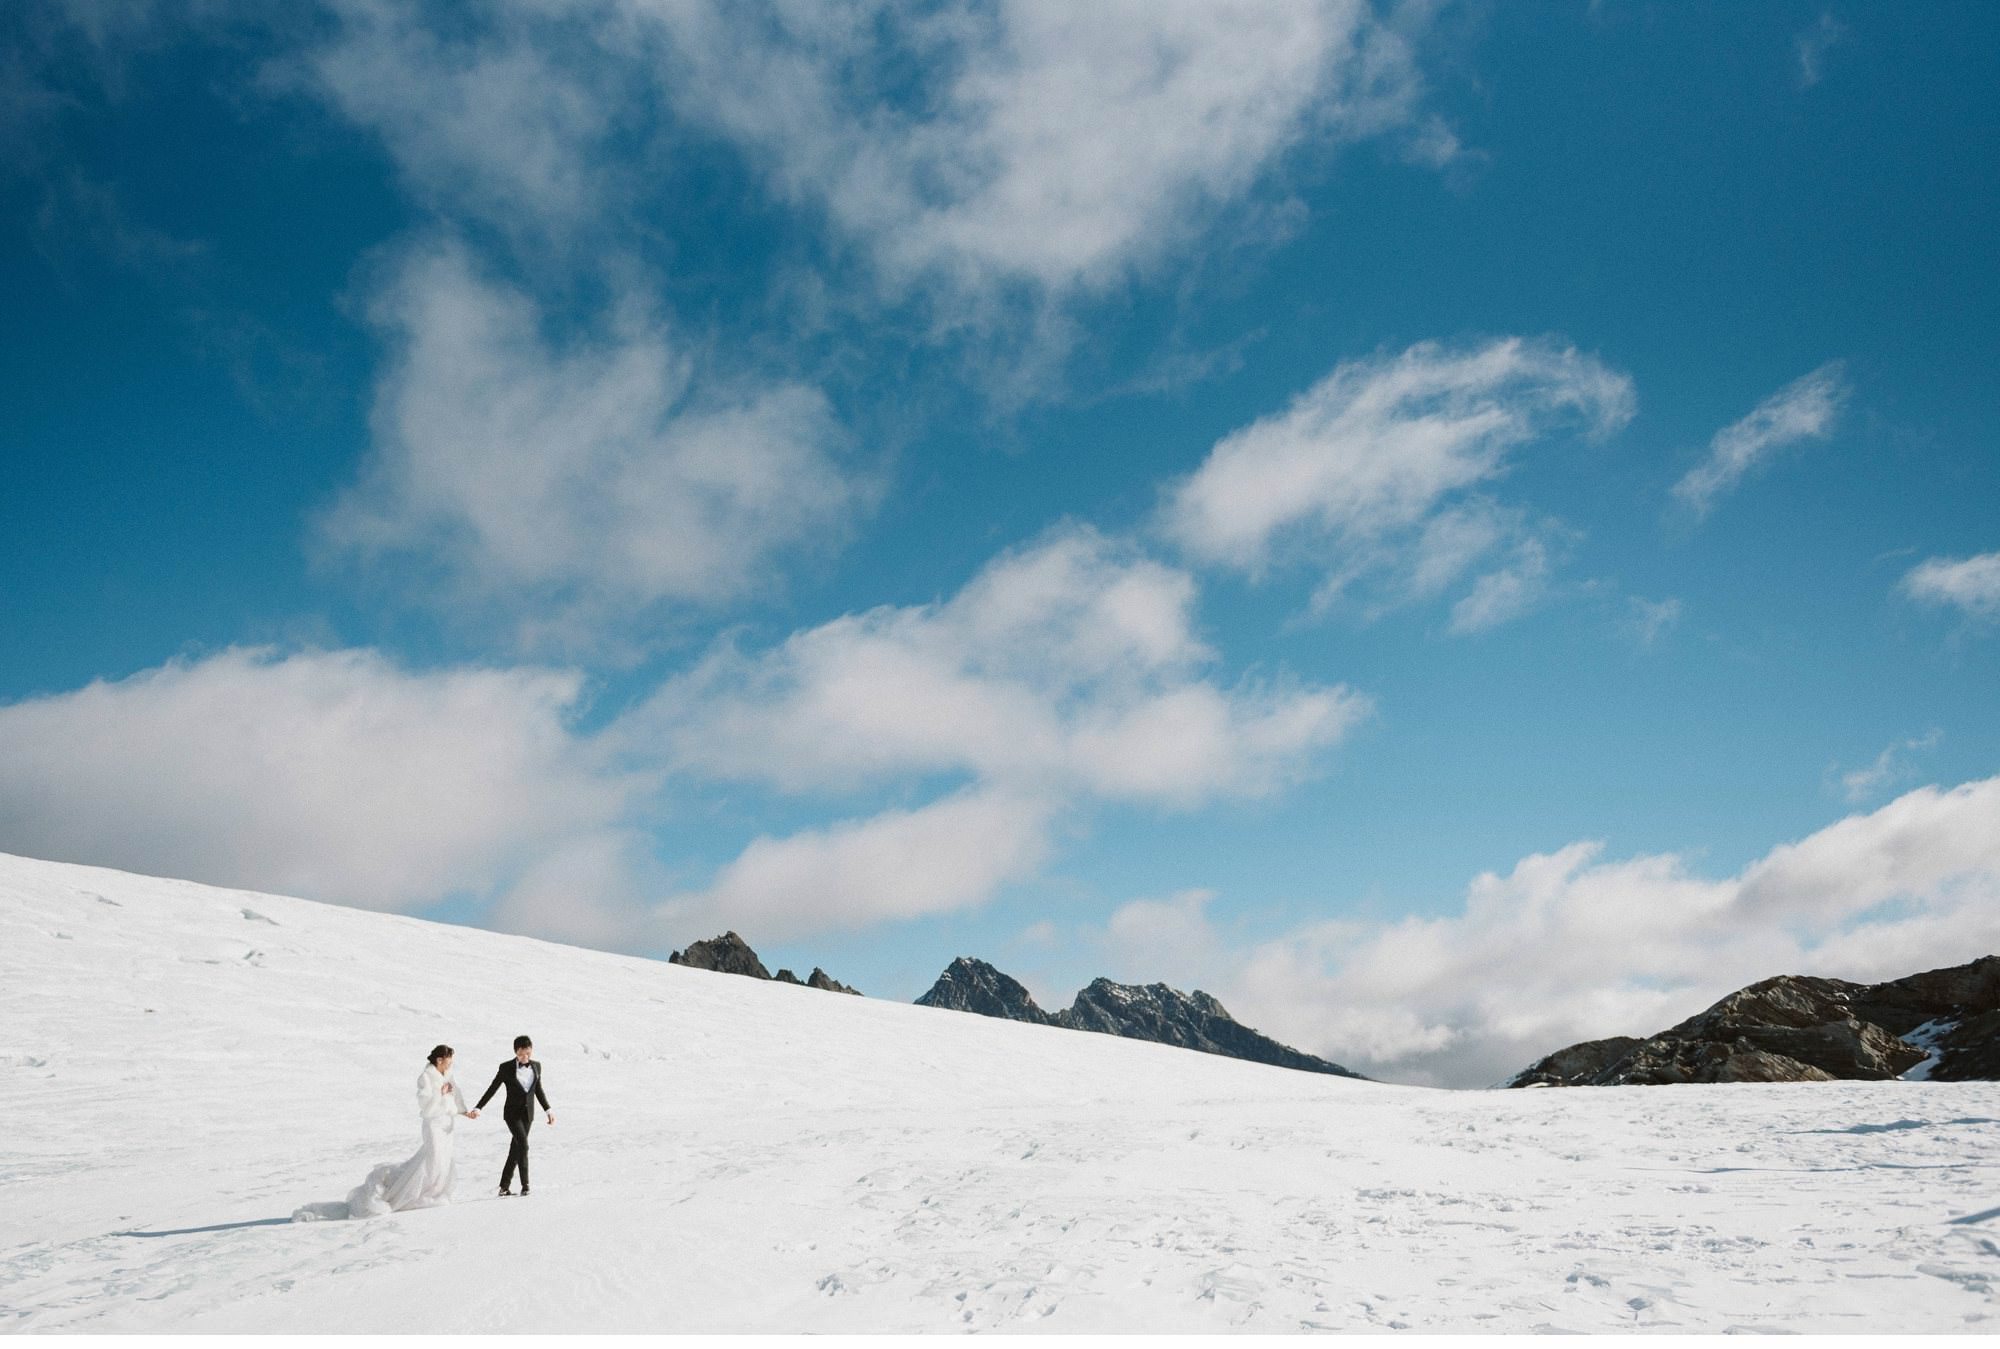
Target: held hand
[(472, 1114), (552, 1117), (446, 1089)]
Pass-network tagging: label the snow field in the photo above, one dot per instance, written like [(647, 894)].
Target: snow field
[(185, 1065)]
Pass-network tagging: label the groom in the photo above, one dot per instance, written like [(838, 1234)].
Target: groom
[(522, 1077)]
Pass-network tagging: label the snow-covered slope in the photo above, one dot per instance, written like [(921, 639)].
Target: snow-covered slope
[(181, 1067)]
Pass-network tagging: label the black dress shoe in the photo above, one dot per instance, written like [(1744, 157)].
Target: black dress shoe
[(506, 1193), (524, 1192)]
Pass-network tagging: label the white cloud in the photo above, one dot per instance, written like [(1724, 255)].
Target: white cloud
[(969, 148), (1807, 408), (501, 123), (332, 774), (1811, 46), (1890, 766), (1971, 584), (1069, 665), (1041, 932), (1505, 594), (1650, 618), (583, 482), (1375, 468), (1064, 673), (1568, 946), (1912, 847), (598, 888), (1161, 940), (1453, 542), (1033, 142), (951, 854)]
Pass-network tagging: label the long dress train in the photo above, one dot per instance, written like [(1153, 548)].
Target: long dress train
[(425, 1180)]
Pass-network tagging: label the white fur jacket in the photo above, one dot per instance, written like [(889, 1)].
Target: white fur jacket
[(433, 1101)]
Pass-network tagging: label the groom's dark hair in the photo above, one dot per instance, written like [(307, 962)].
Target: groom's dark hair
[(523, 1042)]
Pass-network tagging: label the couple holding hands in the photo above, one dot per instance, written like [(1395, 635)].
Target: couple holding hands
[(425, 1180)]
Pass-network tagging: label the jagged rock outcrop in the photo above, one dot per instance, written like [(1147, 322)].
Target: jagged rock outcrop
[(1578, 1064), (730, 954), (819, 978), (1138, 1012), (727, 954), (1942, 1025), (969, 985)]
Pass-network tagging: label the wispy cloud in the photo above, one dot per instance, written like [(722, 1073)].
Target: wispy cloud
[(1811, 47), (1968, 584), (1650, 619), (498, 117), (1051, 144), (79, 210), (1375, 471), (1505, 593), (580, 486), (1805, 409), (1890, 766)]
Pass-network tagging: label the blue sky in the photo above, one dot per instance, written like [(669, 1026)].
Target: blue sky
[(1397, 516)]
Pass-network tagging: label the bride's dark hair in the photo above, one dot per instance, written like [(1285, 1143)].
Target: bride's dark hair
[(441, 1052)]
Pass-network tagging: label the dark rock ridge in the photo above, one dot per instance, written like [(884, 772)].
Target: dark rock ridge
[(727, 954), (1135, 1011), (819, 978), (730, 954), (1941, 1026), (969, 985)]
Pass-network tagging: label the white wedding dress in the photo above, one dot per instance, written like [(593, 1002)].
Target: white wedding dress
[(425, 1180)]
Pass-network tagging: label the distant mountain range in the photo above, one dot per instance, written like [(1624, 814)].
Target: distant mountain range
[(1940, 1026), (730, 954), (1136, 1011)]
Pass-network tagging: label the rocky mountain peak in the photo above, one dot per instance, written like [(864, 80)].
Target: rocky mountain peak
[(969, 985), (819, 978), (727, 954), (730, 954)]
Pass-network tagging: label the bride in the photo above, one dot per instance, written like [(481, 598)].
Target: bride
[(425, 1180)]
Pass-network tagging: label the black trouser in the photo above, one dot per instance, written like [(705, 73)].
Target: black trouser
[(517, 1155)]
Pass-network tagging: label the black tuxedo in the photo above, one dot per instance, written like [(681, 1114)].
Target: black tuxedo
[(518, 1102), (519, 1112)]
